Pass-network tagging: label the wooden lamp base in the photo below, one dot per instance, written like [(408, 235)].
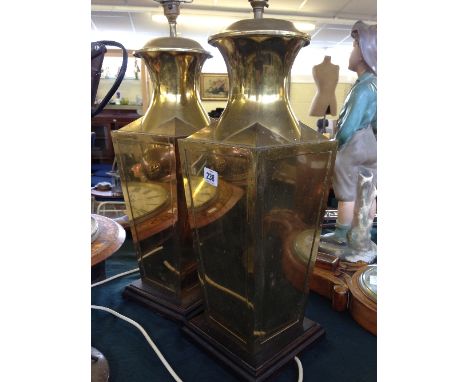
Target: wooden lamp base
[(198, 331), (151, 298)]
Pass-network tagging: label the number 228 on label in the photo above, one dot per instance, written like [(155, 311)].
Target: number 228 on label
[(210, 176)]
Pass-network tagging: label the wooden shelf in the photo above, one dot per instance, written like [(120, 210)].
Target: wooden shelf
[(109, 119)]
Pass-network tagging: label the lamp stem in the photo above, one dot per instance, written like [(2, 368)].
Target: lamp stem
[(258, 7)]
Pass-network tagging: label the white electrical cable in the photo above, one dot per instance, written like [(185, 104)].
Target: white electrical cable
[(299, 367), (114, 277), (134, 323), (147, 337)]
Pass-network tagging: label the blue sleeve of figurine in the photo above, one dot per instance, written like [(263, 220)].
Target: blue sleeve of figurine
[(358, 112)]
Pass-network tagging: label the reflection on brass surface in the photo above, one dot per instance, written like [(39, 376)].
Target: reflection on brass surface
[(203, 193), (212, 204), (152, 183), (303, 245), (156, 162), (145, 198), (230, 163)]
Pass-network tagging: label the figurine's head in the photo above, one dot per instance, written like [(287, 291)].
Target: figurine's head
[(364, 46)]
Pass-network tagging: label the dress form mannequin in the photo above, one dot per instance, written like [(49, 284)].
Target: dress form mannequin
[(326, 78)]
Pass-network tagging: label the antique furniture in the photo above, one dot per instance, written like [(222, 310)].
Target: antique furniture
[(102, 125)]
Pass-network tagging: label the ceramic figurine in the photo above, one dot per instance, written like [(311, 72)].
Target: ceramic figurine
[(357, 142)]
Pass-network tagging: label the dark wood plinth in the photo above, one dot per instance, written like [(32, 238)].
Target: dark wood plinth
[(160, 303), (197, 330)]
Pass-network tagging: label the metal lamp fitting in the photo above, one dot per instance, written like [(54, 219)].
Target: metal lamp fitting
[(258, 7), (172, 11)]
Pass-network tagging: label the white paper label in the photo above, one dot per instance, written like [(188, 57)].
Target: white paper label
[(210, 176), (373, 280)]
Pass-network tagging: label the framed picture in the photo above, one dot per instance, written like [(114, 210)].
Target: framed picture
[(214, 86)]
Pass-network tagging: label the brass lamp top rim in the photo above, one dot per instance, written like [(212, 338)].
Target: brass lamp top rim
[(184, 50), (172, 44), (261, 27)]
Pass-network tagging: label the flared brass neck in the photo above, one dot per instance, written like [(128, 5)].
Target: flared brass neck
[(175, 108)]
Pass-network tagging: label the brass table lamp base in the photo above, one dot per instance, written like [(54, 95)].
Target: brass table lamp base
[(151, 176), (153, 299), (267, 362), (254, 315)]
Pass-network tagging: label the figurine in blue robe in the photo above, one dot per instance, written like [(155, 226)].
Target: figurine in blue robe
[(356, 131)]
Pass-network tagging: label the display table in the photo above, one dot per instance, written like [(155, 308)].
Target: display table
[(347, 353)]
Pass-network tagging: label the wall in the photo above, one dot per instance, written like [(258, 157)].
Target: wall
[(129, 89), (211, 105)]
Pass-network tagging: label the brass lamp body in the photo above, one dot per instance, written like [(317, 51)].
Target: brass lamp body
[(280, 170), (152, 182)]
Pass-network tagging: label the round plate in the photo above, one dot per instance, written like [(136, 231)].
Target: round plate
[(110, 238), (94, 229)]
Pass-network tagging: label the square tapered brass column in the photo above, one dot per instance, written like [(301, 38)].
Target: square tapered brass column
[(152, 182), (270, 177)]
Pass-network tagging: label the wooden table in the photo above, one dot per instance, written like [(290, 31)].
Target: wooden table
[(109, 240)]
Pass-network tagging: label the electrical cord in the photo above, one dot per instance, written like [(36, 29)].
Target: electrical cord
[(148, 338), (134, 323), (114, 277), (118, 80), (299, 369)]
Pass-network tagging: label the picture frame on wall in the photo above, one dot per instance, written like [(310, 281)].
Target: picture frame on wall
[(214, 86)]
